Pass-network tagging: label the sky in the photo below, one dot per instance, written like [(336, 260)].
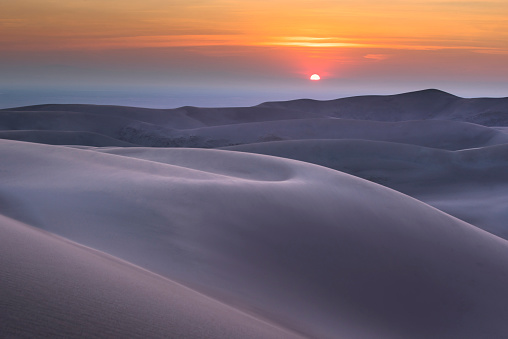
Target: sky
[(234, 52)]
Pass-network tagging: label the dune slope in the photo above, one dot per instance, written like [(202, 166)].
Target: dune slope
[(179, 118), (51, 287), (450, 135), (456, 182), (64, 138), (312, 249), (418, 105)]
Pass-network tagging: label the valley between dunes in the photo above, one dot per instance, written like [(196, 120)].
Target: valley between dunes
[(362, 217)]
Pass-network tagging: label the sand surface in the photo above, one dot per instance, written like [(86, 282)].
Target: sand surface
[(308, 222)]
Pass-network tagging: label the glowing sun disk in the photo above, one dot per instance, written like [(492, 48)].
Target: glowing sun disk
[(315, 77)]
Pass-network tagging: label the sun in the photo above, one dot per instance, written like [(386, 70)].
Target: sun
[(315, 77)]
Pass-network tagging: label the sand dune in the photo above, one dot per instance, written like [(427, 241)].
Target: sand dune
[(114, 127), (428, 118), (419, 105), (470, 184), (177, 118), (180, 118), (64, 138), (313, 250), (451, 135), (164, 241), (51, 287)]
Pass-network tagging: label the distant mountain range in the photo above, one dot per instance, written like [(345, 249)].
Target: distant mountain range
[(193, 127)]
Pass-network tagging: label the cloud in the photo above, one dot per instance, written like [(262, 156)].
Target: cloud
[(377, 56), (492, 51), (311, 42)]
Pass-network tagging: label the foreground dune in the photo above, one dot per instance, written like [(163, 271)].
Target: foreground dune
[(54, 288), (306, 248)]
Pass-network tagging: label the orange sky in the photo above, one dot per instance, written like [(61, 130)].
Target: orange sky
[(76, 24), (390, 40)]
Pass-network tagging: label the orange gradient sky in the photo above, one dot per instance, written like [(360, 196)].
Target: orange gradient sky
[(362, 45)]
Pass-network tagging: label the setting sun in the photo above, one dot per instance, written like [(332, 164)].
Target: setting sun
[(354, 47)]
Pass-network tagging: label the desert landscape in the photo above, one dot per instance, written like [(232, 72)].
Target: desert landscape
[(381, 216)]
